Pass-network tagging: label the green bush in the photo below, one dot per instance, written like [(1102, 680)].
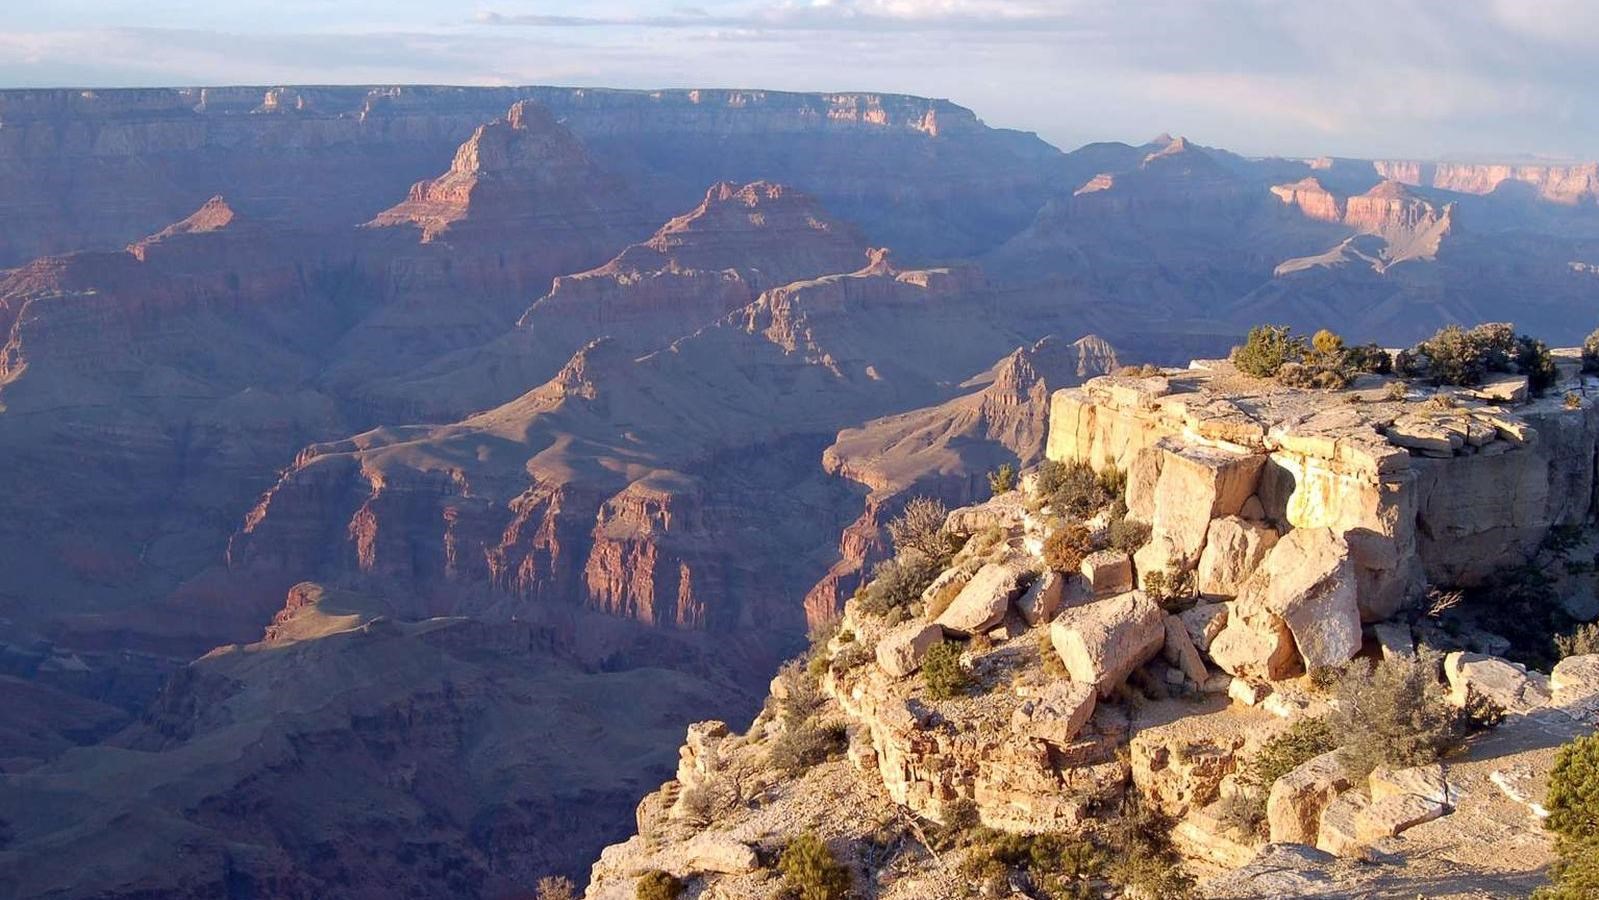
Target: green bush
[(1266, 349), (1002, 480), (1582, 642), (1142, 859), (1066, 547), (811, 872), (1075, 490), (1304, 740), (1573, 805), (657, 885), (1370, 358), (1590, 353), (897, 584), (1059, 865), (1534, 360), (1127, 535), (1459, 356), (1395, 714), (1172, 589), (942, 673)]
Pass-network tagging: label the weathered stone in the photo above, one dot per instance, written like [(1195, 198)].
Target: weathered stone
[(1179, 650), (1178, 772), (1280, 871), (901, 651), (1423, 433), (1254, 510), (1339, 829), (1508, 684), (1041, 600), (1249, 693), (1204, 621), (1394, 639), (1196, 485), (1004, 511), (1233, 550), (1427, 782), (1108, 572), (1575, 679), (943, 580), (1256, 648), (1308, 582), (1296, 802), (1510, 389), (982, 603), (719, 854), (1103, 642), (1057, 714), (1218, 683)]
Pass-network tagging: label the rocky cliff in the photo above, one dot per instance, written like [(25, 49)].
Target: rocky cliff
[(1572, 185)]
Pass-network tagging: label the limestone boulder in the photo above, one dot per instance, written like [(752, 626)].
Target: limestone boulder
[(1204, 621), (1394, 640), (1338, 832), (1394, 815), (1506, 683), (1297, 800), (719, 854), (1103, 642), (1195, 485), (1057, 713), (1179, 650), (1308, 582), (1427, 782), (1108, 572), (1042, 599), (901, 651), (1234, 548), (983, 602), (1258, 647), (1575, 679)]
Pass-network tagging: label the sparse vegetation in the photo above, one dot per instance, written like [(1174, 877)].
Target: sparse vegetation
[(1266, 350), (1581, 642), (1058, 865), (1002, 480), (1590, 353), (799, 747), (1126, 535), (1142, 860), (943, 597), (1075, 490), (1465, 357), (1173, 589), (1573, 805), (1066, 547), (811, 872), (1054, 666), (1303, 741), (942, 673), (556, 887), (852, 656), (1395, 713), (919, 529), (896, 585), (658, 885)]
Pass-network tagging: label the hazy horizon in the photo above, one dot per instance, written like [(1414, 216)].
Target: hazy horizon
[(1492, 79)]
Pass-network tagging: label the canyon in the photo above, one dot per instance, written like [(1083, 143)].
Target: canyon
[(471, 442)]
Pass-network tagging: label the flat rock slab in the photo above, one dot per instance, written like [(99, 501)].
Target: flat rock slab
[(1103, 642), (983, 602), (1394, 815), (901, 651), (1108, 572), (1339, 831), (1294, 807), (1427, 782), (1505, 683), (1057, 713), (1042, 599)]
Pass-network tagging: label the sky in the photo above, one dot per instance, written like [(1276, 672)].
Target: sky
[(1478, 79)]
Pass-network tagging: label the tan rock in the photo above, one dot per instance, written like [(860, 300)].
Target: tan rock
[(1427, 782), (1575, 679), (901, 651), (1042, 599), (1196, 485), (1393, 815), (719, 854), (1249, 693), (1506, 683), (1394, 640), (1260, 648), (1179, 650), (1338, 832), (983, 602), (1057, 714), (1108, 572), (1233, 550), (1204, 621), (1308, 582), (1103, 642), (1294, 807)]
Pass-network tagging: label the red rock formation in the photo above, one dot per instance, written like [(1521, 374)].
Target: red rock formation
[(1310, 198), (1570, 185)]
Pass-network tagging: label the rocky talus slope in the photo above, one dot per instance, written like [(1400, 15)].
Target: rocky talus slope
[(1310, 524)]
